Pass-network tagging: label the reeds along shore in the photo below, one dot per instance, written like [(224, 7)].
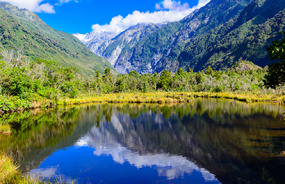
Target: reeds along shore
[(170, 97), (152, 97), (10, 174)]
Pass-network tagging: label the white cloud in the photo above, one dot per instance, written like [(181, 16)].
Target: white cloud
[(32, 5), (49, 173), (67, 1), (46, 8), (37, 5), (170, 5), (168, 11)]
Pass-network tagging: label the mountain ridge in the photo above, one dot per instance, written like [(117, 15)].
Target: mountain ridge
[(244, 38), (39, 40), (161, 48), (151, 56)]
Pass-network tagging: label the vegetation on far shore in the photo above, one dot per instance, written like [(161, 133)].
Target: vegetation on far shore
[(28, 84), (40, 83), (171, 97)]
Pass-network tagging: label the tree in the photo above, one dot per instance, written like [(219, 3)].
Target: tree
[(134, 74), (275, 75), (14, 59), (199, 77), (209, 71), (190, 70), (276, 71), (165, 80), (180, 72), (154, 80), (108, 83), (107, 75), (97, 82)]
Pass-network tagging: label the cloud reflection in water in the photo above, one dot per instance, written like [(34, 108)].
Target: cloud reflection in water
[(170, 166)]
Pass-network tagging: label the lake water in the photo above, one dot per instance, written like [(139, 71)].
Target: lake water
[(208, 141)]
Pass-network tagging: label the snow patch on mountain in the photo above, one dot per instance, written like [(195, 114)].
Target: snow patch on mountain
[(81, 37)]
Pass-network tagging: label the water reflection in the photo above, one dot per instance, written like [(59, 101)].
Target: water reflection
[(167, 165), (208, 141)]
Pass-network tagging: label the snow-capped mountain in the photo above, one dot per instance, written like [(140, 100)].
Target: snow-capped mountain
[(149, 48), (110, 45), (94, 39)]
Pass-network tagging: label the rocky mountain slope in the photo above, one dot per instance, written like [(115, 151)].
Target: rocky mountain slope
[(219, 34), (94, 40), (158, 47), (245, 37), (126, 40), (161, 50), (110, 46), (22, 29)]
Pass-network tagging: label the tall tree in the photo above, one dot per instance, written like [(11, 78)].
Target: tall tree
[(276, 71), (165, 80)]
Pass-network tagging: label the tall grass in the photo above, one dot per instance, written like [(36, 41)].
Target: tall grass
[(170, 97), (157, 97), (5, 128), (9, 174)]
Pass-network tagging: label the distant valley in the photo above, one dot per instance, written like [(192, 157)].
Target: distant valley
[(219, 35)]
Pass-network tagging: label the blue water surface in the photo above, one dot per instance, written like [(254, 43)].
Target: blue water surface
[(81, 163)]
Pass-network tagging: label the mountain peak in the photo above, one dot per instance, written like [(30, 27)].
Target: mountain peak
[(24, 29)]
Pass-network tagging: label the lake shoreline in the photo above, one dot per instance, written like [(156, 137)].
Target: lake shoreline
[(146, 98), (151, 98)]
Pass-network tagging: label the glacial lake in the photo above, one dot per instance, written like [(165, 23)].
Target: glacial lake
[(208, 141)]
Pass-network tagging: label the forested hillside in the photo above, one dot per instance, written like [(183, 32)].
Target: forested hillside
[(22, 29), (245, 37)]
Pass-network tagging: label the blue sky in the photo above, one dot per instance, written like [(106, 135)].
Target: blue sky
[(82, 16)]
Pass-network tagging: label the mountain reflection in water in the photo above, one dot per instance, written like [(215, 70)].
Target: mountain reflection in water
[(211, 140), (167, 165)]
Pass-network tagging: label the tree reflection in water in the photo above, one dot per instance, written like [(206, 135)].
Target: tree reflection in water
[(236, 142)]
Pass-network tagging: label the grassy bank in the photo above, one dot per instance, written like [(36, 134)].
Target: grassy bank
[(156, 97), (249, 97), (5, 129), (12, 104), (151, 97), (170, 97), (9, 174)]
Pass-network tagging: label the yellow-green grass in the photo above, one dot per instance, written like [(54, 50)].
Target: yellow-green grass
[(169, 97), (5, 129), (9, 174), (242, 97), (157, 97)]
